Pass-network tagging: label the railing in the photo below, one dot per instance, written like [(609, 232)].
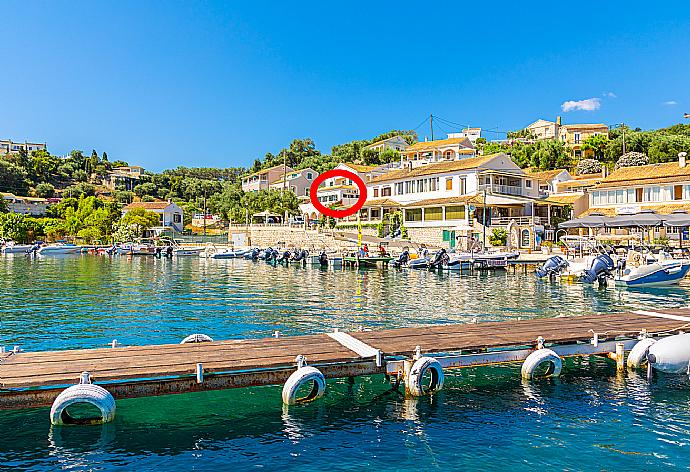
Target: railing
[(519, 220), (503, 189)]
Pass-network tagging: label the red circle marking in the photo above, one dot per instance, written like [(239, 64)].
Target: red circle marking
[(330, 211)]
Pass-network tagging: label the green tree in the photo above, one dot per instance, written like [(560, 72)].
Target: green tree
[(597, 144), (14, 227), (3, 205), (148, 188), (119, 163), (140, 220), (13, 178), (45, 190), (665, 148)]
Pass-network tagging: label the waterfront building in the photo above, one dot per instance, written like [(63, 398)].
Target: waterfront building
[(396, 143), (126, 177), (32, 206), (171, 215), (455, 200), (263, 179), (7, 146), (441, 150), (296, 181)]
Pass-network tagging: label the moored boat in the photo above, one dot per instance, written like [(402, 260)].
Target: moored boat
[(10, 247), (649, 270), (58, 249)]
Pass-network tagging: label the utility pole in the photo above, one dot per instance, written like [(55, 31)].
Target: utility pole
[(284, 171), (204, 213), (623, 127), (431, 125)]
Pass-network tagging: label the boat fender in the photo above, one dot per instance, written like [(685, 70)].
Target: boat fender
[(414, 381), (671, 354), (638, 354), (83, 393), (539, 357), (301, 376), (197, 338)]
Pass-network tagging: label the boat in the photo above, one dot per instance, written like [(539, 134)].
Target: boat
[(324, 259), (367, 261), (10, 247), (649, 270), (58, 249), (461, 261), (139, 247)]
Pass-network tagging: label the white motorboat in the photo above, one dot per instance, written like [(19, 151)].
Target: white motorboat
[(649, 270), (59, 249), (10, 247), (181, 251), (140, 247)]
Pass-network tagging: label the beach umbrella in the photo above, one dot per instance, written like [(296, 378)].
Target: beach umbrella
[(677, 219), (593, 220), (643, 219)]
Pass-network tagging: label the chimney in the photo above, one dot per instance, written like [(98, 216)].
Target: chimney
[(558, 121), (604, 172), (682, 159)]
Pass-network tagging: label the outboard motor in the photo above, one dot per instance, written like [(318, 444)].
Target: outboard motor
[(553, 266), (323, 259), (300, 255), (403, 259), (440, 259), (601, 268), (254, 255)]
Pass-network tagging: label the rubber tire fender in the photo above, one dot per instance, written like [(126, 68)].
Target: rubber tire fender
[(300, 377), (197, 338), (82, 393), (638, 354), (539, 357), (414, 381)]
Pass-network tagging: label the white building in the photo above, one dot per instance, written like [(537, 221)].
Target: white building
[(171, 215), (27, 205), (396, 143), (7, 146), (296, 181), (470, 133)]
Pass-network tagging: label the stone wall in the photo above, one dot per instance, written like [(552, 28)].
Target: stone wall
[(283, 236)]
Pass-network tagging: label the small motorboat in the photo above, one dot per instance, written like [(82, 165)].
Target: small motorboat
[(58, 249), (10, 247), (648, 270), (230, 254), (139, 247)]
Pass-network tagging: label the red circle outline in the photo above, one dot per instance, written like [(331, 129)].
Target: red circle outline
[(330, 211)]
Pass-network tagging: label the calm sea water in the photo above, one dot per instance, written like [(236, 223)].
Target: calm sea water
[(484, 419)]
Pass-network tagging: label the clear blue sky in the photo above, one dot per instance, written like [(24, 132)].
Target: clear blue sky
[(189, 83)]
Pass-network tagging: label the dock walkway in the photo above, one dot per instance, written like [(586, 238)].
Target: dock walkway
[(34, 379)]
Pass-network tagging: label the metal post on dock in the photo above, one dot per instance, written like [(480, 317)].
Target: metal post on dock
[(620, 357), (199, 373)]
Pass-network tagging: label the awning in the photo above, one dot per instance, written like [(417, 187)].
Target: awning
[(677, 219), (643, 219), (594, 220)]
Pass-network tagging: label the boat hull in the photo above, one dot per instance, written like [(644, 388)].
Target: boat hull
[(657, 276)]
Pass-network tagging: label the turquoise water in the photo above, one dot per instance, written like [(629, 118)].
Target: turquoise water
[(485, 419)]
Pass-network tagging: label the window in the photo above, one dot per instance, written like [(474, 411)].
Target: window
[(386, 192), (309, 175), (576, 137), (528, 184), (449, 183), (433, 214), (678, 192), (638, 195), (177, 218), (463, 185), (455, 212), (376, 192), (375, 213), (413, 214)]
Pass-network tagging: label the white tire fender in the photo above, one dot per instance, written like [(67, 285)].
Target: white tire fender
[(415, 381), (197, 338), (539, 357), (300, 377), (638, 354), (82, 393)]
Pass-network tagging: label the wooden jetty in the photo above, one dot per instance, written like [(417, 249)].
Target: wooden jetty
[(34, 379)]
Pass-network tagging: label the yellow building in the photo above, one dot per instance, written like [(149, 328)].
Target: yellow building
[(574, 135)]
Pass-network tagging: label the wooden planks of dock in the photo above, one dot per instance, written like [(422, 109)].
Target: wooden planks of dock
[(31, 379)]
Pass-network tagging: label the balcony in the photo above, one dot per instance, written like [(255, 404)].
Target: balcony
[(503, 189), (519, 220)]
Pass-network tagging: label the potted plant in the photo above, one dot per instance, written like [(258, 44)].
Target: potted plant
[(546, 247)]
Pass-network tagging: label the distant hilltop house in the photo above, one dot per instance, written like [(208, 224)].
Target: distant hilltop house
[(171, 215), (27, 205), (428, 152), (123, 177), (297, 181), (572, 135), (395, 143), (263, 179), (7, 146), (470, 133)]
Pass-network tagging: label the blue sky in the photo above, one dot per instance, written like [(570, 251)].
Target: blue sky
[(189, 83)]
